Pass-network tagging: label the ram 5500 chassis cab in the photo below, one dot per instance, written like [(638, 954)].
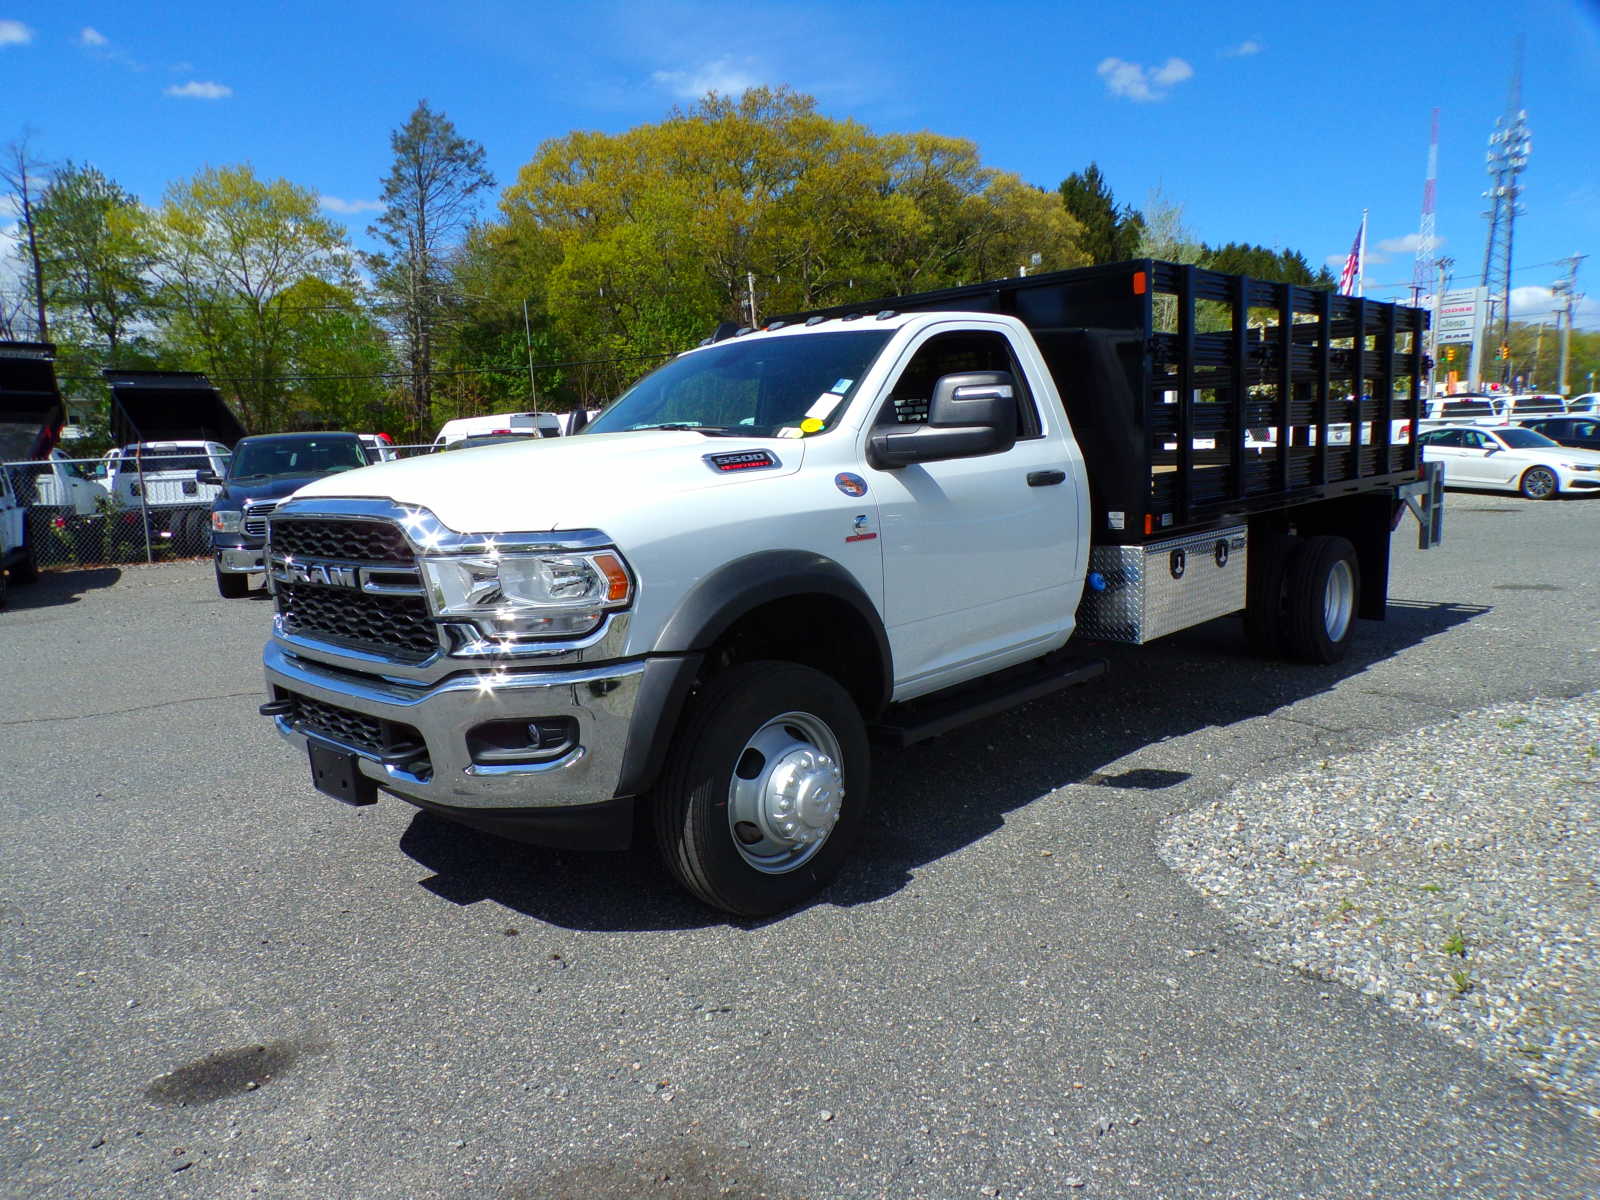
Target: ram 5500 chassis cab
[(879, 520)]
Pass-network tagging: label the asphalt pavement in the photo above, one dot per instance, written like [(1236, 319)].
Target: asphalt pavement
[(217, 982)]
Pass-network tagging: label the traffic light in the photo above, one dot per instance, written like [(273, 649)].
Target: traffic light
[(1505, 350), (1449, 354)]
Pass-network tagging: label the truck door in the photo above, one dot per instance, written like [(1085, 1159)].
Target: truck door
[(979, 554)]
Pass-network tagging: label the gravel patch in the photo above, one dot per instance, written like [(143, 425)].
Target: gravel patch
[(1453, 872)]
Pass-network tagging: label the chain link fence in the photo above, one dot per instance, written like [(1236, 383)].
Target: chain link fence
[(87, 512)]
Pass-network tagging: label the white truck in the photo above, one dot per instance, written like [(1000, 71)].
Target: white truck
[(855, 523), (31, 419), (169, 426)]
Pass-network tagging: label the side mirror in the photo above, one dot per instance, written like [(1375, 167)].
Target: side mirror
[(207, 477), (970, 414)]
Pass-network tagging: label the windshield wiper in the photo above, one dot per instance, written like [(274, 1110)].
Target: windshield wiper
[(708, 430)]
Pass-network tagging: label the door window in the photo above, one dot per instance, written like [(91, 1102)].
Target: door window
[(954, 353)]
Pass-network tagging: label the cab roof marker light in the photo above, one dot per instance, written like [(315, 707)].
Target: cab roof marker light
[(815, 321), (776, 325), (885, 314), (742, 330), (855, 316)]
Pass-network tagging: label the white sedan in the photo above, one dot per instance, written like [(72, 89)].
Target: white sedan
[(1510, 459)]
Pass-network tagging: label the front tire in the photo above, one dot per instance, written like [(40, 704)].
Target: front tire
[(1324, 589), (1539, 483), (229, 586), (26, 571), (765, 790)]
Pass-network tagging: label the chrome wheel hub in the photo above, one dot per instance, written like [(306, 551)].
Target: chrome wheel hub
[(1339, 601), (786, 793)]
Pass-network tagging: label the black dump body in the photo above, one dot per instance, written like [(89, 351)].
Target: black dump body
[(169, 406), (31, 411), (1154, 360)]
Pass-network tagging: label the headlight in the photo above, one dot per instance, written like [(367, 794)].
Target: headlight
[(529, 595), (226, 520)]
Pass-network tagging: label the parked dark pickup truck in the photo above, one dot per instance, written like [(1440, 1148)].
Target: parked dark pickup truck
[(265, 469)]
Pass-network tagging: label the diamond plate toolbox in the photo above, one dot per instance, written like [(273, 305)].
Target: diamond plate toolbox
[(1160, 587)]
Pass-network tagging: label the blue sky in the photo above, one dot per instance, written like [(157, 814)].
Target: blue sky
[(1274, 124)]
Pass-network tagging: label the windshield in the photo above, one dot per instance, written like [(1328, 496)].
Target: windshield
[(1523, 439), (297, 456), (762, 387), (162, 458)]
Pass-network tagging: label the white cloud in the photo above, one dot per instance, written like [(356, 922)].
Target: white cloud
[(14, 33), (723, 76), (1407, 244), (335, 204), (1132, 81), (1244, 49), (200, 90), (90, 36)]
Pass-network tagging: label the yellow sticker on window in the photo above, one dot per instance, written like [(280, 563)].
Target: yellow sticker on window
[(811, 425)]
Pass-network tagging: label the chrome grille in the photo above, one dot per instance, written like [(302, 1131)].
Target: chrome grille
[(255, 517), (398, 626), (342, 539)]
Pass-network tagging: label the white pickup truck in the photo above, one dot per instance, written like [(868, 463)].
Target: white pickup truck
[(852, 523)]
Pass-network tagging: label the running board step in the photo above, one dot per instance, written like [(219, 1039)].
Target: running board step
[(918, 720)]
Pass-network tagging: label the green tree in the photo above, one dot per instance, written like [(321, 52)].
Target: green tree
[(429, 196), (228, 250), (1109, 234), (759, 204), (1279, 266), (95, 255)]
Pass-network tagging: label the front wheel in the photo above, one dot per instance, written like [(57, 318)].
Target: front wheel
[(27, 571), (765, 789), (230, 586), (1539, 483)]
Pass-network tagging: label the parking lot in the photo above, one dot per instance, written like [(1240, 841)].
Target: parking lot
[(218, 982)]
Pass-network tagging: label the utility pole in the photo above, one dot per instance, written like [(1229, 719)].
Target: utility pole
[(750, 291), (1509, 147), (1567, 298), (527, 341)]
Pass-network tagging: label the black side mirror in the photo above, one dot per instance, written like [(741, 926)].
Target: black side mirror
[(970, 414), (207, 477)]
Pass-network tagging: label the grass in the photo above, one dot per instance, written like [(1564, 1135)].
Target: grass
[(1455, 945)]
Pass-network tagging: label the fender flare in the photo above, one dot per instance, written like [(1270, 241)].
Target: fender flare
[(736, 588), (708, 611)]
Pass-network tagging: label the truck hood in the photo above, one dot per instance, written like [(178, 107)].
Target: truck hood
[(244, 490), (558, 483)]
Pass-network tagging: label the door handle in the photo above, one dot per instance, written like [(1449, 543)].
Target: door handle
[(1046, 478)]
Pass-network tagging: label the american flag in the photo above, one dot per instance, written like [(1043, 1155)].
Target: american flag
[(1350, 278)]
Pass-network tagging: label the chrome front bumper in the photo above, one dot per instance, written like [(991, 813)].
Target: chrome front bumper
[(600, 699), (240, 560)]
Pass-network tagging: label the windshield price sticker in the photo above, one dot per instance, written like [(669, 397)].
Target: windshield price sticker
[(823, 408), (842, 385)]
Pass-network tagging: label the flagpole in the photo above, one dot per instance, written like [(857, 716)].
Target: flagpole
[(1361, 260)]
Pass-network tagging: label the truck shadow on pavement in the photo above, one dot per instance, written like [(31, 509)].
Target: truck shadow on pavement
[(55, 588), (937, 797)]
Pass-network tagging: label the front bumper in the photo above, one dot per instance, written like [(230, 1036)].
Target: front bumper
[(240, 560), (600, 700)]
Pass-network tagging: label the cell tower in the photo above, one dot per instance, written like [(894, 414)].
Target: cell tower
[(1509, 147), (1427, 239)]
